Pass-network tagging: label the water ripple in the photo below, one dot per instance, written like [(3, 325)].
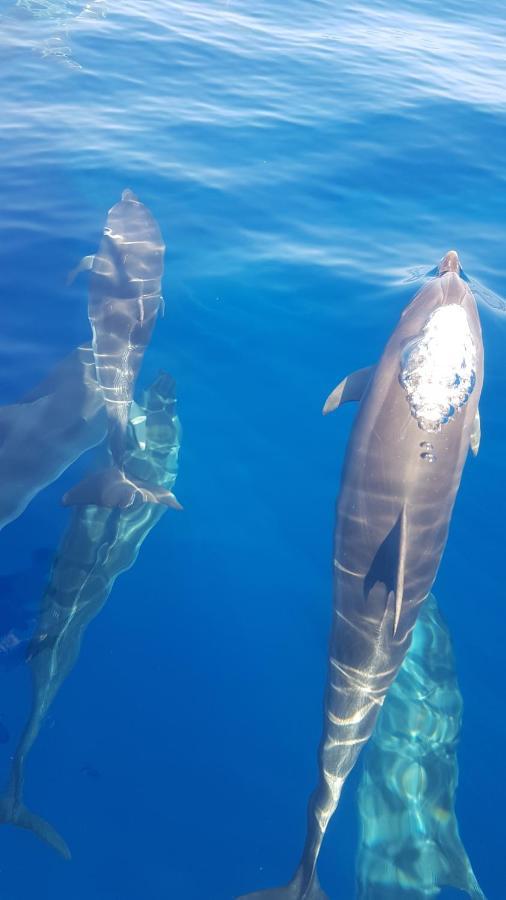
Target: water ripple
[(307, 131)]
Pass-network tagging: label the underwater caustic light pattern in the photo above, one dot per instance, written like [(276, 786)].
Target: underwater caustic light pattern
[(410, 844)]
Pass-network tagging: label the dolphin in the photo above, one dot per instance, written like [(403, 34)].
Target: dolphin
[(416, 420), (48, 430), (410, 846), (124, 302), (99, 544), (58, 18)]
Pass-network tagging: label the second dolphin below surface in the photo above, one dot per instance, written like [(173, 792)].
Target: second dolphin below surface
[(98, 545), (418, 417), (46, 431), (124, 302), (410, 846)]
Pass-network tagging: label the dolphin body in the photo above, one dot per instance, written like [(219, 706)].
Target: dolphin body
[(57, 18), (417, 418), (410, 846), (48, 430), (99, 544), (124, 302)]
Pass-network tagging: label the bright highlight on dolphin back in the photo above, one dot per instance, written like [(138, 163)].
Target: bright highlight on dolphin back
[(124, 302), (416, 421), (438, 369)]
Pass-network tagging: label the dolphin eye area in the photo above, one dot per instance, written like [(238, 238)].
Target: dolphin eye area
[(438, 368)]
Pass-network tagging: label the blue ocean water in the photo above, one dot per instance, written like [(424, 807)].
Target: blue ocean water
[(301, 160)]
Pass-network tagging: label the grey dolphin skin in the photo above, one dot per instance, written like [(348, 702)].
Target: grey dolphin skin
[(416, 421), (48, 430), (98, 545), (410, 846), (124, 302)]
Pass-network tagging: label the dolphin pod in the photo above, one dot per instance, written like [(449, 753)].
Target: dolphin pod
[(124, 302), (410, 845), (99, 544), (417, 419)]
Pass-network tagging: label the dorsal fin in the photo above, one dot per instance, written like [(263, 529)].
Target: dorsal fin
[(389, 566), (401, 566), (349, 389)]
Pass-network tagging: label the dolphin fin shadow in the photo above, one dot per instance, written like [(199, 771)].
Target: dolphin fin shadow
[(12, 813)]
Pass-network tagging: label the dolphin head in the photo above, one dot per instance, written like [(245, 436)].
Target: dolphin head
[(447, 286), (450, 263), (134, 239), (439, 343)]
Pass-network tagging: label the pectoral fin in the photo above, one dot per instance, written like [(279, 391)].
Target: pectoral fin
[(474, 441), (85, 265), (349, 389)]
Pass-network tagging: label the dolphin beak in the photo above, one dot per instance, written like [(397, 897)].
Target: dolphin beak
[(450, 263)]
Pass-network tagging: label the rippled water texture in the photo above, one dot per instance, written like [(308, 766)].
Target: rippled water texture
[(302, 160)]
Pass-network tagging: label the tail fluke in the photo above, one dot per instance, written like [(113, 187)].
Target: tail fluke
[(293, 891), (112, 488), (12, 813)]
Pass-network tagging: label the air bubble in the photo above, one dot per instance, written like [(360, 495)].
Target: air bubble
[(429, 457), (438, 368)]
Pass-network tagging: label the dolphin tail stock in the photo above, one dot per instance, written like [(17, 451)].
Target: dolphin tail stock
[(295, 890), (113, 489), (15, 813)]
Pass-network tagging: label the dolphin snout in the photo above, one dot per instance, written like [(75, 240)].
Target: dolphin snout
[(450, 263)]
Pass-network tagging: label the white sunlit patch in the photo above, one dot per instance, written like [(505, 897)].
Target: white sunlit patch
[(438, 368)]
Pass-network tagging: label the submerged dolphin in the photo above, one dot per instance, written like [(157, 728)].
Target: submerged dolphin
[(98, 545), (416, 420), (48, 430), (410, 846), (124, 302), (57, 18)]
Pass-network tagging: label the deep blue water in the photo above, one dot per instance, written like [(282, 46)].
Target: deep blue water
[(301, 160)]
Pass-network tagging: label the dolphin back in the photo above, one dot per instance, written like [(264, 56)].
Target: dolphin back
[(124, 302)]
